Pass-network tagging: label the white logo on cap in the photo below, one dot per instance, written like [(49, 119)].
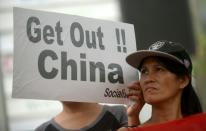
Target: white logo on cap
[(156, 45), (186, 63)]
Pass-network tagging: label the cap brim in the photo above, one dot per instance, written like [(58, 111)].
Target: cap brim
[(136, 58)]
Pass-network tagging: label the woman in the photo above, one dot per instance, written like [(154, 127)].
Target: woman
[(165, 83)]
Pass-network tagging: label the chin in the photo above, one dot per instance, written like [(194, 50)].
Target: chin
[(151, 100)]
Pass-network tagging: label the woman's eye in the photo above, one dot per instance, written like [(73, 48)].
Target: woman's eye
[(160, 68), (143, 71)]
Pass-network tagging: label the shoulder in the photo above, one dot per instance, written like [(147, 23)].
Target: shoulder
[(114, 109), (45, 126), (119, 112)]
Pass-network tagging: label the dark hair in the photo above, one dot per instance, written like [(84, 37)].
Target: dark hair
[(190, 103)]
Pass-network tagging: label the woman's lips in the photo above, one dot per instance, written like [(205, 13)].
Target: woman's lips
[(149, 89)]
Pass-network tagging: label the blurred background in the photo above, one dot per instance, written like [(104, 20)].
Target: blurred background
[(176, 20)]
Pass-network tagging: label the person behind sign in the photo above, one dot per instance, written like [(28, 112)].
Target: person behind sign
[(165, 83), (79, 116)]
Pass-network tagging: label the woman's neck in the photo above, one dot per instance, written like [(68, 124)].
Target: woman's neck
[(166, 114), (168, 111)]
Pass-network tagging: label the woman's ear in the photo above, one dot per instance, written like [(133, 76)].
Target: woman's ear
[(184, 81)]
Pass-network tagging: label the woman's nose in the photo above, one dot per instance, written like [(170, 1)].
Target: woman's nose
[(149, 77)]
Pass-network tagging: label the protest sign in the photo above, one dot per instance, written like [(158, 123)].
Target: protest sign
[(71, 58)]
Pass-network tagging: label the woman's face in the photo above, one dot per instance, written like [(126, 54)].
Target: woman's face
[(159, 84)]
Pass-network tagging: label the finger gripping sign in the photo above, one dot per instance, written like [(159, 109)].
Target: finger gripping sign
[(71, 58)]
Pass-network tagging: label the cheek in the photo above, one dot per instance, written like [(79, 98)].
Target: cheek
[(158, 96), (167, 87)]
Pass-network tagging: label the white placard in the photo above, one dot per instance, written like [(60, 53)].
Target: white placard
[(71, 58)]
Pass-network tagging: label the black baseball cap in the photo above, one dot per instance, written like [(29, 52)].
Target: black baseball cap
[(163, 48)]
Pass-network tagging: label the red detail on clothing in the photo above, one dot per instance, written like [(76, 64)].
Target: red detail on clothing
[(190, 123)]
